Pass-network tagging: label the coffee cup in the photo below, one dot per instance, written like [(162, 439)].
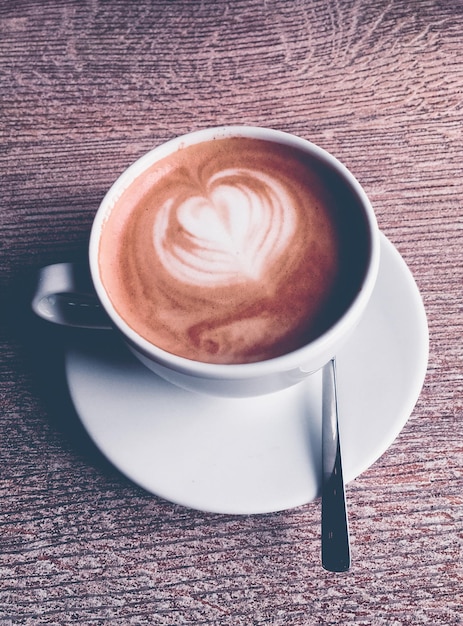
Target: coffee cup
[(234, 261)]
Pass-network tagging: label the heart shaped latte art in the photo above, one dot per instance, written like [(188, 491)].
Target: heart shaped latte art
[(233, 232)]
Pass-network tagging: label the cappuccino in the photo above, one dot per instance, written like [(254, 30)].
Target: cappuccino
[(233, 250)]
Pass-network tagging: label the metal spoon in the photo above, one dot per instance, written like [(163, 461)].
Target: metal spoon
[(335, 528)]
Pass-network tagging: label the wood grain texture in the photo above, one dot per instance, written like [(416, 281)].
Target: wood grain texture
[(87, 87)]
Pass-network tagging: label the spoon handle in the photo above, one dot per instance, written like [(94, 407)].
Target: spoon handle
[(335, 529)]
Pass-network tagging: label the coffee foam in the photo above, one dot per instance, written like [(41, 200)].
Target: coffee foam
[(226, 251), (233, 232)]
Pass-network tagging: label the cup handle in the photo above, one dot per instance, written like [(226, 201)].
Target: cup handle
[(64, 295)]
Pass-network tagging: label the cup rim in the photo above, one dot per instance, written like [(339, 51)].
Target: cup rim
[(284, 362)]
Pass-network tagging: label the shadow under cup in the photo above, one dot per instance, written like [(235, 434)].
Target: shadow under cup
[(358, 252)]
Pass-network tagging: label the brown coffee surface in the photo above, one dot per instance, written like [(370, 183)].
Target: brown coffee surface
[(229, 251)]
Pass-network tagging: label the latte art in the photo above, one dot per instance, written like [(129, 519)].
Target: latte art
[(226, 251), (234, 232)]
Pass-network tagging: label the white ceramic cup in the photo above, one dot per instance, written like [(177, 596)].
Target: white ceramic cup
[(245, 379)]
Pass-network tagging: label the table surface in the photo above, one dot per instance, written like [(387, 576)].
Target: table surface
[(86, 88)]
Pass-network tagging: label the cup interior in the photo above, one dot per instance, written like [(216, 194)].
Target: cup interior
[(359, 254)]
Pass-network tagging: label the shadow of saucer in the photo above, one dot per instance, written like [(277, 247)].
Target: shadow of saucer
[(39, 349)]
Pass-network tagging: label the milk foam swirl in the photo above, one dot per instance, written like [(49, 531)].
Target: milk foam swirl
[(223, 252), (234, 231)]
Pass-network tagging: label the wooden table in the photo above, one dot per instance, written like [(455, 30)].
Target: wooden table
[(86, 88)]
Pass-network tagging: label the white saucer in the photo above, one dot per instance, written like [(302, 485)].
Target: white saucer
[(257, 455)]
